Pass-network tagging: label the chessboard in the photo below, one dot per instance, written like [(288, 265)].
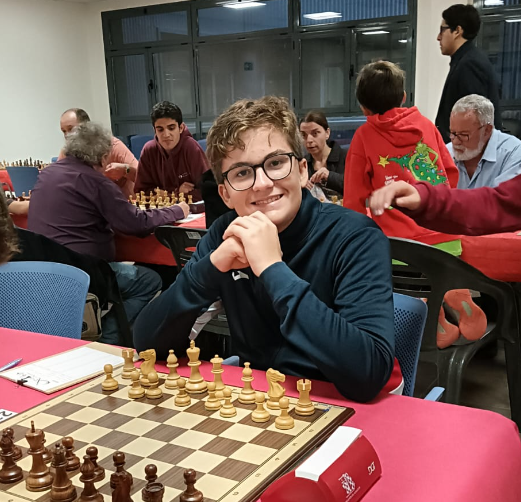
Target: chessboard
[(235, 459), (157, 199)]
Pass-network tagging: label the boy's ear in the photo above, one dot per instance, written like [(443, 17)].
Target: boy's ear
[(404, 97), (365, 111), (225, 196)]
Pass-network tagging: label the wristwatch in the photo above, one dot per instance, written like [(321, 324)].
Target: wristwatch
[(127, 168)]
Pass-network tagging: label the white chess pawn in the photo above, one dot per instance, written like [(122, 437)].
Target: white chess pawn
[(182, 399), (260, 414), (284, 421), (212, 403), (153, 392), (110, 383), (135, 391), (228, 409)]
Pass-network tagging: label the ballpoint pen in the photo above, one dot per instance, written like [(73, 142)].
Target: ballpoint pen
[(12, 364)]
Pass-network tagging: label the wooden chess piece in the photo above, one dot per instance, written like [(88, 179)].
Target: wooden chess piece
[(122, 491), (191, 494), (173, 376), (47, 456), (135, 391), (73, 462), (17, 451), (228, 409), (284, 421), (247, 395), (304, 406), (212, 403), (119, 464), (92, 452), (110, 383), (10, 472), (39, 478), (148, 365), (196, 383), (153, 491), (275, 390), (128, 366), (260, 414), (62, 489), (89, 493), (217, 371), (183, 398), (153, 392)]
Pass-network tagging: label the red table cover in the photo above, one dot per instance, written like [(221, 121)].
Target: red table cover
[(430, 452)]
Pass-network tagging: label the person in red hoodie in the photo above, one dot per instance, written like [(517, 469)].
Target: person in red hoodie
[(401, 144)]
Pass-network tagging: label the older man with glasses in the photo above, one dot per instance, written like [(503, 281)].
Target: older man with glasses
[(470, 70), (485, 157)]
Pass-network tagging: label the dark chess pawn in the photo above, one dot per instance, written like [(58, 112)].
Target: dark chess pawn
[(119, 464), (47, 456), (10, 472), (39, 478), (122, 491), (153, 491), (17, 451), (92, 452), (73, 462), (62, 489), (191, 494), (89, 493)]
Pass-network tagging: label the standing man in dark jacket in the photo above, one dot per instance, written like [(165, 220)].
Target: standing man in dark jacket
[(470, 70)]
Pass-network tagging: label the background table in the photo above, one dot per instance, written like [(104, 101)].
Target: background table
[(430, 452), (137, 249), (497, 255)]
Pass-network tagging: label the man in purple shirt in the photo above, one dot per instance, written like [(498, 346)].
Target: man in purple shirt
[(74, 204), (173, 160)]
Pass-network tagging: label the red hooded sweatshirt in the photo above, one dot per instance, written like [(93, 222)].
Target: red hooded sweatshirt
[(169, 170), (401, 144)]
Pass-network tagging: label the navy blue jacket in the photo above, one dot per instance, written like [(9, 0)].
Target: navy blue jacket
[(325, 312), (470, 73)]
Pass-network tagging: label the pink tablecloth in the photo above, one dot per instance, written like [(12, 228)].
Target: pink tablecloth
[(498, 255), (142, 250), (430, 452)]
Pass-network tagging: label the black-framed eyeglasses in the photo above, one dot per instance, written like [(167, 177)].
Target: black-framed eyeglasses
[(275, 167), (464, 137), (443, 28)]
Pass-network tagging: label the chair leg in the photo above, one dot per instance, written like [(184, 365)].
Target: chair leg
[(513, 363), (451, 375)]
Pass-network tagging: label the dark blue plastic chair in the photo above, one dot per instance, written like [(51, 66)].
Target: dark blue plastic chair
[(137, 143), (23, 178), (43, 297), (202, 144)]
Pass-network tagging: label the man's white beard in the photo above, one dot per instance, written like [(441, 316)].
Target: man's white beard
[(467, 154)]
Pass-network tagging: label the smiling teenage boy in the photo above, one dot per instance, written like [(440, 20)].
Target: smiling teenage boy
[(173, 160), (306, 286)]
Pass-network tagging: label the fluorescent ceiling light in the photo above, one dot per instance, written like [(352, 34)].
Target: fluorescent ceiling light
[(378, 32), (489, 3), (244, 5), (317, 16), (517, 20), (403, 40)]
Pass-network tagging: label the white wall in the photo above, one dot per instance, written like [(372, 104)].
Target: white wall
[(52, 58), (431, 67), (43, 61)]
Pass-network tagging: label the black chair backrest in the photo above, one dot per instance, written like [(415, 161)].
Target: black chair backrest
[(181, 241), (431, 272)]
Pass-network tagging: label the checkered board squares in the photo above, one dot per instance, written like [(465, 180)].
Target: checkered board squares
[(235, 459)]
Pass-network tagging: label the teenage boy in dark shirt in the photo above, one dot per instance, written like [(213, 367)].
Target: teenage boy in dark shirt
[(306, 286)]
